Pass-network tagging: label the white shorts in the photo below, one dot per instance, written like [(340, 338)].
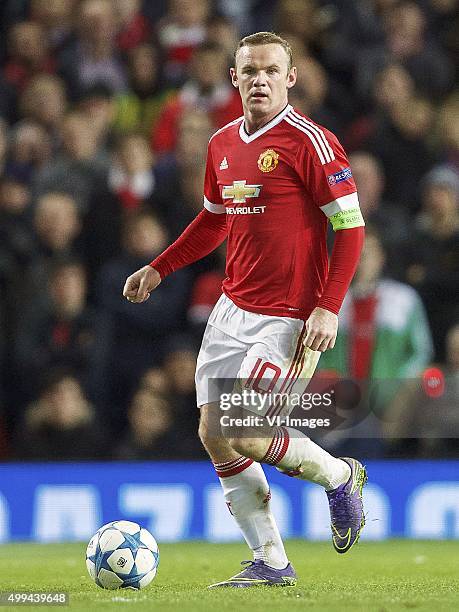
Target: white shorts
[(263, 352)]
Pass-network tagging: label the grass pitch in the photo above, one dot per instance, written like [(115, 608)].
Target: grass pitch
[(386, 576)]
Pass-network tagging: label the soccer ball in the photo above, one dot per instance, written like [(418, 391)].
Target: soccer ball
[(122, 555)]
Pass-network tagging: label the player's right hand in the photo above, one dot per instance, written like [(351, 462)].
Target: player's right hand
[(139, 285)]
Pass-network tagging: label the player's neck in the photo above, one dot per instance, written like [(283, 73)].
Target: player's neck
[(254, 122)]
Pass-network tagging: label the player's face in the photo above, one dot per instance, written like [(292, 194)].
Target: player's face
[(263, 78)]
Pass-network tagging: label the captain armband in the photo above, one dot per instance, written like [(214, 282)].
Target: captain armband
[(346, 219)]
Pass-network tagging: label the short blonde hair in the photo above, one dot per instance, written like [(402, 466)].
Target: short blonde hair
[(265, 38)]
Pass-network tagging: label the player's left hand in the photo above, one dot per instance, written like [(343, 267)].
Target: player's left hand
[(321, 328)]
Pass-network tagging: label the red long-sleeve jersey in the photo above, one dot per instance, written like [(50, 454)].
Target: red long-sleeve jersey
[(271, 194)]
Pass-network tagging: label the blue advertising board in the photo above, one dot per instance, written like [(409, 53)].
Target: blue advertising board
[(56, 502)]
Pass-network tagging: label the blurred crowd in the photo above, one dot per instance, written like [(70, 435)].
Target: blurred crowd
[(106, 108)]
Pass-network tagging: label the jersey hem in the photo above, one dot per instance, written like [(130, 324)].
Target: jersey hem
[(269, 310)]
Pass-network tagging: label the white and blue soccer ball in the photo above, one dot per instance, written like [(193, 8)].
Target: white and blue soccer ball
[(122, 555)]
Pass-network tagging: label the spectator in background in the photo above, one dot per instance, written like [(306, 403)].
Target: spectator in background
[(249, 16), (448, 131), (397, 130), (313, 82), (392, 88), (392, 221), (60, 424), (300, 18), (406, 43), (221, 30), (139, 108), (17, 241), (179, 32), (194, 128), (8, 100), (354, 26), (327, 103), (30, 149), (208, 90), (76, 169), (433, 252), (151, 430), (299, 48), (400, 141), (97, 104), (317, 93), (44, 101), (180, 175), (180, 367), (384, 339), (17, 250), (314, 24), (29, 54), (57, 225), (134, 28), (128, 187), (93, 58), (55, 17), (61, 332), (442, 23), (384, 334), (131, 175), (14, 11), (138, 338), (155, 381), (427, 425)]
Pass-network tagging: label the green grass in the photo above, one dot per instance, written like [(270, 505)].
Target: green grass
[(386, 576)]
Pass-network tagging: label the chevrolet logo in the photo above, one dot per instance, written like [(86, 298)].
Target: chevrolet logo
[(239, 191)]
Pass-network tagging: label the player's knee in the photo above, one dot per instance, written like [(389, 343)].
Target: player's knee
[(237, 445), (247, 447)]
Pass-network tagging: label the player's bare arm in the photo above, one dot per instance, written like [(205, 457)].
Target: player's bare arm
[(139, 285), (322, 328)]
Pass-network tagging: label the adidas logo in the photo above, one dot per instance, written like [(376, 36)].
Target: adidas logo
[(224, 164)]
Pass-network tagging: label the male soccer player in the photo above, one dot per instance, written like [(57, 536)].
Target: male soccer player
[(273, 180)]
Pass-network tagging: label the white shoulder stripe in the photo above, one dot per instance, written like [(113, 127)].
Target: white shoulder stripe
[(311, 135), (320, 134), (314, 135), (346, 202), (214, 208), (227, 126)]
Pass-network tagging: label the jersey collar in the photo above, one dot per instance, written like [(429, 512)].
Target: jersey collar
[(274, 121)]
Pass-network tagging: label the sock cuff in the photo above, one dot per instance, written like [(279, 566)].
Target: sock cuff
[(278, 446), (233, 467)]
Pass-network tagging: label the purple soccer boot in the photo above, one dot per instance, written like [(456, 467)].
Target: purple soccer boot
[(346, 508), (257, 573)]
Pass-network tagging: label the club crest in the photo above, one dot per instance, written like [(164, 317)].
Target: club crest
[(268, 160)]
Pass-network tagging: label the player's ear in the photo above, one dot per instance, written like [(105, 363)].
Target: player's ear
[(233, 75), (291, 77)]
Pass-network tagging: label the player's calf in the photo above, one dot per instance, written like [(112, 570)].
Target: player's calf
[(242, 431), (211, 436), (247, 496), (255, 448), (343, 480)]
